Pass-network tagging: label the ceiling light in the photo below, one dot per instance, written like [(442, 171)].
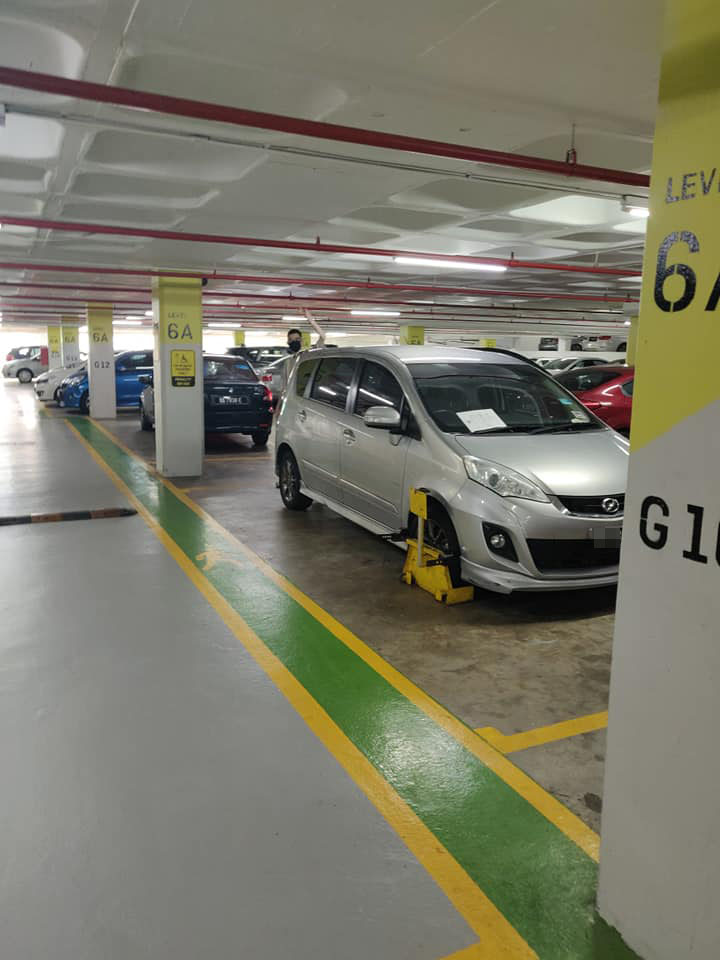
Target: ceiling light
[(627, 323), (635, 206), (630, 279), (450, 264), (83, 329), (226, 326), (293, 316), (127, 323), (133, 316), (148, 313), (337, 333), (375, 313)]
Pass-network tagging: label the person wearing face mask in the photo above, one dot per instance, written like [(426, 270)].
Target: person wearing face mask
[(294, 341)]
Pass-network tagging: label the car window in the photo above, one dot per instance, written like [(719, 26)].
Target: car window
[(134, 360), (628, 387), (587, 379), (377, 387), (229, 368), (303, 375), (560, 363), (332, 381)]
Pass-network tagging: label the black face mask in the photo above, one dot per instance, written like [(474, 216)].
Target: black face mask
[(294, 346)]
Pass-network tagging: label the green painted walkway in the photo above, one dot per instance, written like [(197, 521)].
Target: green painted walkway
[(534, 874)]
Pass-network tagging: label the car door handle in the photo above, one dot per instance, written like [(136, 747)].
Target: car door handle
[(349, 436), (302, 416)]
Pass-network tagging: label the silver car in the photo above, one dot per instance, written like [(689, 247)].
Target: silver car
[(526, 486)]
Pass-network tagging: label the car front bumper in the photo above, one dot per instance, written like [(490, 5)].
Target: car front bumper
[(555, 549)]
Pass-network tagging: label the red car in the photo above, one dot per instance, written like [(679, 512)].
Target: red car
[(606, 390)]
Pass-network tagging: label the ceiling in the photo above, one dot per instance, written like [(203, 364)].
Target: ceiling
[(512, 75)]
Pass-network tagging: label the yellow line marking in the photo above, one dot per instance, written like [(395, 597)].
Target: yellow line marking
[(513, 742), (478, 951), (500, 938), (554, 811)]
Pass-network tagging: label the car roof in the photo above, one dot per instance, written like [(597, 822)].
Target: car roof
[(428, 353)]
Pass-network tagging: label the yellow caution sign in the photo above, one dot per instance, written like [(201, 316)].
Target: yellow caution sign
[(418, 503), (182, 368)]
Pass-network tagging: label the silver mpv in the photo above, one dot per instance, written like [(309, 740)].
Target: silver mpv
[(527, 487)]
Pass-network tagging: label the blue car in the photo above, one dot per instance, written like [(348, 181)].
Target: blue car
[(129, 367)]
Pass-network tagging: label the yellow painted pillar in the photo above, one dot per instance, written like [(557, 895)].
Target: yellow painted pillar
[(660, 851), (632, 341), (488, 342), (101, 363), (70, 344), (306, 340), (178, 376), (412, 335), (239, 338), (54, 347)]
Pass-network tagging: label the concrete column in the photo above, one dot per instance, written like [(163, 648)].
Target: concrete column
[(101, 363), (564, 344), (54, 339), (306, 340), (412, 335), (179, 411), (70, 345), (660, 853), (632, 341), (239, 338)]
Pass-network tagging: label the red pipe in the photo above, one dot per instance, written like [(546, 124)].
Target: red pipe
[(244, 278), (290, 299), (147, 233), (236, 116)]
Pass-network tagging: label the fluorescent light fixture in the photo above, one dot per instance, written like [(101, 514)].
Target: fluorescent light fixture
[(226, 326), (127, 323), (337, 333), (133, 316), (291, 317), (375, 313), (83, 329), (635, 206), (626, 323), (450, 264), (630, 279), (148, 313)]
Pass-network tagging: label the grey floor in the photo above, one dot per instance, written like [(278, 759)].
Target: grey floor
[(514, 663), (160, 798)]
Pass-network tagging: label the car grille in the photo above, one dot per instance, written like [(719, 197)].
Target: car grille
[(553, 555), (593, 506)]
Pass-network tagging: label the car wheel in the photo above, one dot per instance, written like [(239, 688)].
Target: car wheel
[(84, 405), (24, 375), (290, 483), (56, 395), (440, 534), (145, 421), (622, 348), (260, 438)]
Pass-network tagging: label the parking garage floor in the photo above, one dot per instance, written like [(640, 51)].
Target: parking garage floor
[(231, 731)]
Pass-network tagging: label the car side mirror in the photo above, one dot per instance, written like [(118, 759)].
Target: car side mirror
[(146, 379), (382, 418)]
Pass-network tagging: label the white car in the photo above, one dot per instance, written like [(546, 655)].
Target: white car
[(563, 364), (48, 384), (25, 368), (607, 343)]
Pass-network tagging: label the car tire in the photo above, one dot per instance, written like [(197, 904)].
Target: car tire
[(289, 474), (622, 348), (84, 405), (56, 395), (260, 438), (440, 534), (24, 375), (145, 421)]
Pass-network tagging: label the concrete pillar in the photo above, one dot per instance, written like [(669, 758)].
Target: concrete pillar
[(660, 853), (412, 335), (239, 338), (564, 344), (488, 342), (101, 364), (70, 345), (306, 340), (54, 339), (179, 411), (632, 341)]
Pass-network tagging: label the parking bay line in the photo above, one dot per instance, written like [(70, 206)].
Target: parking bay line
[(514, 742), (530, 855)]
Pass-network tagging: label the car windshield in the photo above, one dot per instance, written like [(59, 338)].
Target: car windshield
[(560, 363), (588, 378), (229, 368), (477, 398)]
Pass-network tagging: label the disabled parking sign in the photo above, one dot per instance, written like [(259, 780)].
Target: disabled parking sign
[(182, 368)]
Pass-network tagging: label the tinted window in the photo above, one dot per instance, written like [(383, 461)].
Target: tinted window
[(228, 368), (132, 361), (560, 363), (628, 387), (377, 388), (483, 397), (303, 375), (332, 381), (586, 379)]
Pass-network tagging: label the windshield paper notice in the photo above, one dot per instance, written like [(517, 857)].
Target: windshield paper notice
[(478, 420)]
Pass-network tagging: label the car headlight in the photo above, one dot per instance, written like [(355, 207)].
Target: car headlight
[(72, 382), (502, 480)]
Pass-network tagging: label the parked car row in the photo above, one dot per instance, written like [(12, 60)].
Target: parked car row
[(24, 363), (526, 485)]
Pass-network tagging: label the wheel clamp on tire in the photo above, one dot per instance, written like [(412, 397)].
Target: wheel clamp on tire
[(426, 566)]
